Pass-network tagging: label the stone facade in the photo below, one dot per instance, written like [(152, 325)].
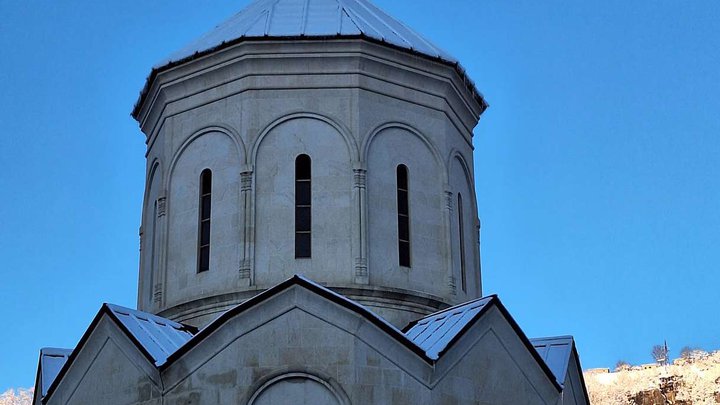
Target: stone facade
[(300, 343), (224, 125), (359, 110)]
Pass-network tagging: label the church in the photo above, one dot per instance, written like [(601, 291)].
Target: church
[(309, 231)]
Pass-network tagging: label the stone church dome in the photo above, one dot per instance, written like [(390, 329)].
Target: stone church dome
[(314, 137), (309, 231)]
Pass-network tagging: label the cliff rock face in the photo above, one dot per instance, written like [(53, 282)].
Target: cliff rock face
[(694, 381)]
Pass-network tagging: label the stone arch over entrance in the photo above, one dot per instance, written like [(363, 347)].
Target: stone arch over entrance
[(297, 389)]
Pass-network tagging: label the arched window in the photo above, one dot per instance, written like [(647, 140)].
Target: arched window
[(303, 207), (461, 232), (403, 211), (204, 221)]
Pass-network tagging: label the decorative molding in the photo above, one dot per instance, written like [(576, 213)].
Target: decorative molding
[(452, 284), (244, 270), (361, 269), (448, 200), (359, 178), (157, 293), (246, 181), (161, 206)]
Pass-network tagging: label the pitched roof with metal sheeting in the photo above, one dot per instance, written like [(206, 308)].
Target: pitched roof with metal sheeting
[(555, 351), (311, 18), (51, 362), (163, 341), (160, 337), (434, 333)]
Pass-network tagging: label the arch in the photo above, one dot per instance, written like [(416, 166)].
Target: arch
[(454, 153), (349, 141), (213, 148), (469, 175), (237, 141), (154, 167), (369, 139), (149, 224), (332, 387)]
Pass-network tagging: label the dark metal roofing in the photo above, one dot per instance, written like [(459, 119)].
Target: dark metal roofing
[(150, 333), (558, 352), (434, 333), (316, 18), (555, 351), (310, 19), (159, 336), (466, 315), (163, 341), (51, 362)]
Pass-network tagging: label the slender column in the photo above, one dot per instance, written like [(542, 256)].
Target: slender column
[(447, 224), (160, 242), (248, 227), (360, 226)]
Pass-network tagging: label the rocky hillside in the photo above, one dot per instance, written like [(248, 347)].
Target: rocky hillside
[(19, 397), (693, 380)]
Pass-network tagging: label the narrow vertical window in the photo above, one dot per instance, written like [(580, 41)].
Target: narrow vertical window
[(204, 221), (461, 232), (303, 208), (403, 209), (152, 250)]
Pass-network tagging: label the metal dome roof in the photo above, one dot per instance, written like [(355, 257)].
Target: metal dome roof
[(310, 18)]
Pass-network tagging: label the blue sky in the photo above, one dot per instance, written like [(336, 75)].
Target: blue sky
[(597, 163)]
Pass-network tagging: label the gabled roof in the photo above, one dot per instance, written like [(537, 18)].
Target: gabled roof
[(322, 291), (306, 18), (154, 336), (555, 351), (435, 332), (558, 352), (51, 362), (160, 337), (163, 341)]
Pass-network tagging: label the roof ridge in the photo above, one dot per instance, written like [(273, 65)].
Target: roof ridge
[(552, 338), (367, 6), (325, 292), (456, 306), (350, 13)]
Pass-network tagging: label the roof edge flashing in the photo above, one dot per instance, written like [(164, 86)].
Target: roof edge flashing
[(157, 70)]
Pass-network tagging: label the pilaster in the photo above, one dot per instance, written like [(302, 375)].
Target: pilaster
[(247, 227), (359, 239), (447, 224)]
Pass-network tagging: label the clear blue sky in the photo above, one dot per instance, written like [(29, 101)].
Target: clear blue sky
[(598, 162)]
